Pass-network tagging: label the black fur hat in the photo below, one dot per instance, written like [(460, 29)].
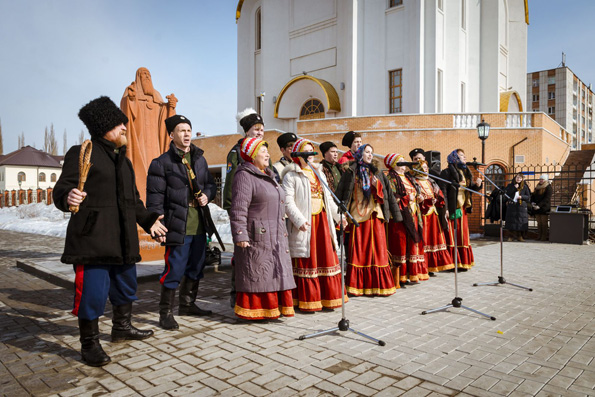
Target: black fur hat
[(349, 137), (101, 115), (326, 146), (173, 121)]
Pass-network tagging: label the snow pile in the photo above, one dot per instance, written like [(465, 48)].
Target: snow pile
[(36, 218), (49, 221)]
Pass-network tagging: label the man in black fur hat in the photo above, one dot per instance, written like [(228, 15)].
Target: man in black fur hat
[(180, 186), (101, 239), (285, 142), (352, 140)]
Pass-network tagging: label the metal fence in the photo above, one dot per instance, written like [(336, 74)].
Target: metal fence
[(573, 185)]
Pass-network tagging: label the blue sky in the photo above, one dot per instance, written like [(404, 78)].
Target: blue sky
[(56, 55)]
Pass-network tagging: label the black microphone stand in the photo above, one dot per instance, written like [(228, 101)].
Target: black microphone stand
[(501, 279), (457, 301), (344, 322)]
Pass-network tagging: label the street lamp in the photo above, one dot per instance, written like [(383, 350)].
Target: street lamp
[(483, 131)]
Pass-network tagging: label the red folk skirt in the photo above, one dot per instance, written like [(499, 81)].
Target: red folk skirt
[(368, 271), (318, 278), (264, 305), (406, 253), (464, 251), (436, 253)]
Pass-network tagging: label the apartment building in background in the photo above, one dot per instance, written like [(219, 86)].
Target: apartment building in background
[(564, 97)]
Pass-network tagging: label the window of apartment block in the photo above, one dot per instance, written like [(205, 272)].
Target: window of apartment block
[(551, 110), (551, 80), (42, 177), (551, 95), (53, 177), (395, 3), (395, 85), (535, 97), (463, 14), (439, 91), (535, 82), (258, 32), (463, 91), (312, 109)]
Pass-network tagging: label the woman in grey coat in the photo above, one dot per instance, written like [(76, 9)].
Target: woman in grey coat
[(264, 277)]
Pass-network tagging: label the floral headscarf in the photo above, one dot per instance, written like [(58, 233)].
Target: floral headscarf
[(363, 170), (453, 158)]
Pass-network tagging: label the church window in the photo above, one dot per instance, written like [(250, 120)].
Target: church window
[(53, 177), (258, 30), (42, 177), (497, 174), (312, 109), (21, 177), (395, 3), (395, 90)]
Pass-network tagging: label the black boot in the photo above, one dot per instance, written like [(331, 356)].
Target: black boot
[(166, 307), (122, 329), (91, 350), (188, 291)]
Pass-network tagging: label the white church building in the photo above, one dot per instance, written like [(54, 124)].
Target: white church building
[(311, 59)]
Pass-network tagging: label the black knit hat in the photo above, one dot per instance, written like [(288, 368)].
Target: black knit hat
[(349, 137), (325, 146), (171, 122), (285, 139), (415, 152), (101, 115)]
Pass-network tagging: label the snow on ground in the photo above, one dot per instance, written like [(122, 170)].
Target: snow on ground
[(49, 221)]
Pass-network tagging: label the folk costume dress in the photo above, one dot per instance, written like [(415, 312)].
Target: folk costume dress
[(316, 268), (459, 204), (263, 275), (437, 255), (405, 239), (364, 191)]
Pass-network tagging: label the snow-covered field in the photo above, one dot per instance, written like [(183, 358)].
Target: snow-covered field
[(50, 221)]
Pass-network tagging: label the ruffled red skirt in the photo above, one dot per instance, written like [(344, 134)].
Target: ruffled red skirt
[(318, 278), (466, 259), (368, 272), (436, 253), (264, 305), (408, 254)]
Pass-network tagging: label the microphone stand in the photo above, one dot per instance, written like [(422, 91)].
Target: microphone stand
[(344, 322), (457, 301), (501, 279)]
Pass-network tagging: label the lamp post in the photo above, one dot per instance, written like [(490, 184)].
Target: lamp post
[(483, 131)]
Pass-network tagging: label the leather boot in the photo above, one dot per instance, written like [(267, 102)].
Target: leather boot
[(166, 309), (188, 292), (122, 329), (91, 350)]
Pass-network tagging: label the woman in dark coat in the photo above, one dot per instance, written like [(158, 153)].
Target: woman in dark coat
[(541, 200), (517, 218), (366, 193), (263, 273)]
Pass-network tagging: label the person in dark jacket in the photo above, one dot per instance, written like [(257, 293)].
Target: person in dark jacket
[(101, 238), (541, 200), (459, 205), (180, 186), (330, 166), (365, 191), (517, 218)]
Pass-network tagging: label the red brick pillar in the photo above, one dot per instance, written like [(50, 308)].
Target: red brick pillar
[(49, 196)]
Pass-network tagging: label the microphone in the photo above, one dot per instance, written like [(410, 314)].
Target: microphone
[(303, 154), (406, 163)]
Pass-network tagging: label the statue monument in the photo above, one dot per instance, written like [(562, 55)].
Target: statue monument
[(147, 139), (147, 136)]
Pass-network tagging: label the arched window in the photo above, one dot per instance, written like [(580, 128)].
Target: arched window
[(42, 177), (496, 173), (258, 30), (53, 177), (21, 176), (312, 109)]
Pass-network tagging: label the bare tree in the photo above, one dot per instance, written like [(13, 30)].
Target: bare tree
[(82, 137), (1, 144), (65, 142), (46, 141), (21, 140), (50, 145)]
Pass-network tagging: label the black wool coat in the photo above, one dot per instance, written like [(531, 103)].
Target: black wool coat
[(517, 217), (168, 189), (103, 231)]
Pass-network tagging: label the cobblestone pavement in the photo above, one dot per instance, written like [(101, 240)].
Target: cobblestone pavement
[(541, 343)]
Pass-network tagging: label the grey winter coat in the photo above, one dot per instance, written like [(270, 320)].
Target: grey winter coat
[(257, 211)]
